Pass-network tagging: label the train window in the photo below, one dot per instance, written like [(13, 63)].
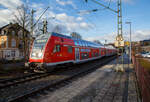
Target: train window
[(80, 44), (84, 55), (70, 49), (88, 44), (76, 43), (57, 48), (84, 43)]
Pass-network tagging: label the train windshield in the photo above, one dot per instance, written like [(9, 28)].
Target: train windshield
[(40, 41), (39, 45)]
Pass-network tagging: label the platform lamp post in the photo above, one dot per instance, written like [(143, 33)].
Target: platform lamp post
[(130, 38)]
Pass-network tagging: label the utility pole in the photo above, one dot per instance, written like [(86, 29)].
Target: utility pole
[(119, 38), (130, 39), (120, 20), (44, 26), (40, 16), (31, 30), (32, 21), (119, 17)]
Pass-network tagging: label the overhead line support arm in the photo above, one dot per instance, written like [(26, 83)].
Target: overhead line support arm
[(107, 7)]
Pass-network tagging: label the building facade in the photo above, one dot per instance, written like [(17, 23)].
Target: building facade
[(13, 42)]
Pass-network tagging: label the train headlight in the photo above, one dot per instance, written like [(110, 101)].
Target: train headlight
[(40, 54), (33, 54)]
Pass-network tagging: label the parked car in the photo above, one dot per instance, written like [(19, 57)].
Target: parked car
[(146, 54)]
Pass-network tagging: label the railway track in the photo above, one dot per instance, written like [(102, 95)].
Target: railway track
[(19, 80), (54, 85)]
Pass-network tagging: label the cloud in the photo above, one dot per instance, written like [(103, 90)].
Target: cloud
[(69, 2), (140, 35), (79, 19), (136, 36), (85, 25), (62, 21), (10, 4), (37, 5), (9, 7), (109, 37), (72, 23)]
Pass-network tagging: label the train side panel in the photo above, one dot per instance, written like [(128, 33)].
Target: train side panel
[(59, 50)]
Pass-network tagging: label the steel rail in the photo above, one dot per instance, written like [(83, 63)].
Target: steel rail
[(19, 80)]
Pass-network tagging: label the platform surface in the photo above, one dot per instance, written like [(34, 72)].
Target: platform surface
[(102, 85)]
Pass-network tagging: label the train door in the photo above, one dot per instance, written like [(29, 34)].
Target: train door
[(77, 54), (99, 51), (57, 53)]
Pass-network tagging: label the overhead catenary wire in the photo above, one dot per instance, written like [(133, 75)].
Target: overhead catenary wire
[(109, 3), (78, 12)]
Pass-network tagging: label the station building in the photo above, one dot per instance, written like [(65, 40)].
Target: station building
[(145, 45), (12, 42)]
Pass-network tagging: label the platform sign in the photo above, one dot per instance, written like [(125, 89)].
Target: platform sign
[(119, 41), (127, 43)]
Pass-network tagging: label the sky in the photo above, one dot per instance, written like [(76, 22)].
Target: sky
[(72, 16)]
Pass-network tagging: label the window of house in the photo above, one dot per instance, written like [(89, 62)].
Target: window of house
[(2, 43), (21, 54), (7, 54), (2, 32), (70, 49), (13, 33), (13, 43), (20, 34), (20, 44), (13, 53), (57, 48)]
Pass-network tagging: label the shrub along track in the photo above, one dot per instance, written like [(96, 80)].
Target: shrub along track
[(50, 81)]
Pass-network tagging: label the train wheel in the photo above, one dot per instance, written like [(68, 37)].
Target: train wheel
[(40, 70)]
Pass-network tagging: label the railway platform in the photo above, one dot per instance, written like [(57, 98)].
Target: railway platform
[(103, 85)]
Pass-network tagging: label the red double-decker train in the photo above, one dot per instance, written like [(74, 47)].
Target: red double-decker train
[(53, 49)]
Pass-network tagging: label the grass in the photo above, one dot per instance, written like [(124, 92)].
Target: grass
[(145, 63)]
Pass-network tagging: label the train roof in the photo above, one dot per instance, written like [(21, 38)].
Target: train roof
[(110, 47), (78, 42)]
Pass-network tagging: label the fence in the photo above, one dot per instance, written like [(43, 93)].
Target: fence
[(143, 78)]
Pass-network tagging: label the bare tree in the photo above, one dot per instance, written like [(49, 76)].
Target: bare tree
[(57, 29), (76, 35), (98, 42), (22, 17)]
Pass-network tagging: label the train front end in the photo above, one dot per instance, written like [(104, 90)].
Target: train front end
[(36, 59)]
